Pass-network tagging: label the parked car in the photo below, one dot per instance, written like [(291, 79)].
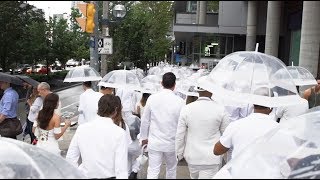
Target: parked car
[(21, 69), (38, 69)]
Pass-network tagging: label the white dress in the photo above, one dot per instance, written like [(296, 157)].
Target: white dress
[(46, 139)]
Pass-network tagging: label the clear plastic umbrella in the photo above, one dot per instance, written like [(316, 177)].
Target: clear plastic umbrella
[(151, 84), (20, 160), (138, 72), (82, 74), (301, 76), (156, 79), (10, 79), (239, 76), (290, 151), (150, 88), (120, 79)]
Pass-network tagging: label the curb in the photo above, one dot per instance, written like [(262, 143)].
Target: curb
[(57, 90)]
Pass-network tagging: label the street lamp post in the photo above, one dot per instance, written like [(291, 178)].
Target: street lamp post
[(119, 11)]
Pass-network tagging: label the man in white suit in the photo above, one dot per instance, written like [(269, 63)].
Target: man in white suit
[(159, 126), (200, 126), (88, 103)]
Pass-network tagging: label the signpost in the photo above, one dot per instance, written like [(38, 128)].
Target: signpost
[(105, 45)]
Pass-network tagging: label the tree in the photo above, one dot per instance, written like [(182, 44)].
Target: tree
[(11, 24), (80, 39), (141, 36)]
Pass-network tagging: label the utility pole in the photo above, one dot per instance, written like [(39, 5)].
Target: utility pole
[(105, 33), (94, 57)]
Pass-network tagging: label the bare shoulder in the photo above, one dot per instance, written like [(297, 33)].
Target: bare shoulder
[(307, 93)]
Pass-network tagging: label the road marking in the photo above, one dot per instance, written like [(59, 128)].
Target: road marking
[(69, 105)]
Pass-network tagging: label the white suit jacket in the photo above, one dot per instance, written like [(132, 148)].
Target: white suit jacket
[(200, 126), (88, 105), (160, 120)]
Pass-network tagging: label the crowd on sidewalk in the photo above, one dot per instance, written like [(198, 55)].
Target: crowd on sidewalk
[(115, 125)]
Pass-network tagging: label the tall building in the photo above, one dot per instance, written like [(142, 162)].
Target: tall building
[(75, 3), (289, 30)]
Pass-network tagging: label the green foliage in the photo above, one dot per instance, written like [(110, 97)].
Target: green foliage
[(26, 36), (141, 36), (43, 77), (213, 6)]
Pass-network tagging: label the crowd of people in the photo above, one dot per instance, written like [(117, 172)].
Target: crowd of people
[(114, 125)]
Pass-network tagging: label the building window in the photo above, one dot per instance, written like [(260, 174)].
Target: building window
[(212, 6), (192, 6)]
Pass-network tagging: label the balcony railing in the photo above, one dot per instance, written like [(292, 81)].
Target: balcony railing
[(190, 19)]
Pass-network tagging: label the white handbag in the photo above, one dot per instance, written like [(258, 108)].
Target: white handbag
[(142, 159)]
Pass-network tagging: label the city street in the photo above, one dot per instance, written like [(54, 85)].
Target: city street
[(69, 101)]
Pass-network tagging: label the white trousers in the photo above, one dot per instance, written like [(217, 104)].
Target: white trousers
[(134, 150), (155, 161), (203, 172)]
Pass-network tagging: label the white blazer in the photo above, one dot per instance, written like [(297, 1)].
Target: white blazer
[(200, 126), (160, 120), (88, 105)]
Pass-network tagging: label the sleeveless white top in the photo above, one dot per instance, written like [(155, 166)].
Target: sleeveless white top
[(46, 139)]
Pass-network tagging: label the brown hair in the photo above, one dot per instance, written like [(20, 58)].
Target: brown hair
[(50, 103), (107, 105), (144, 99), (118, 120)]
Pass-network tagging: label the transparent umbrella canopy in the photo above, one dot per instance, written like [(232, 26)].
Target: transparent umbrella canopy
[(82, 74), (290, 151), (19, 160), (301, 76), (240, 76), (120, 79), (151, 84), (138, 72)]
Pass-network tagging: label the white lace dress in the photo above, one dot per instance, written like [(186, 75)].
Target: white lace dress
[(46, 139)]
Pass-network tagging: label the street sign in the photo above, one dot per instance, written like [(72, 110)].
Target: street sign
[(105, 46)]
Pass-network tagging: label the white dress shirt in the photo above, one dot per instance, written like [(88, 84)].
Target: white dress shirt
[(88, 105), (35, 108), (160, 120), (239, 134), (200, 126), (103, 148), (287, 112)]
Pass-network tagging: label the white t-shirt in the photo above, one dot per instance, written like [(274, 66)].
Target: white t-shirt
[(243, 132)]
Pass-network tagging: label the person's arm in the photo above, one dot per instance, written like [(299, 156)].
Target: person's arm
[(219, 149), (121, 158), (145, 124), (35, 107), (58, 133), (225, 142), (180, 135), (73, 153), (307, 94)]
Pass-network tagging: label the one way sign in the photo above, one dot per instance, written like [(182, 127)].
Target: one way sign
[(105, 46)]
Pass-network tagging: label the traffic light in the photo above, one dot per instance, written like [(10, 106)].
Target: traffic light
[(87, 23), (90, 18)]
